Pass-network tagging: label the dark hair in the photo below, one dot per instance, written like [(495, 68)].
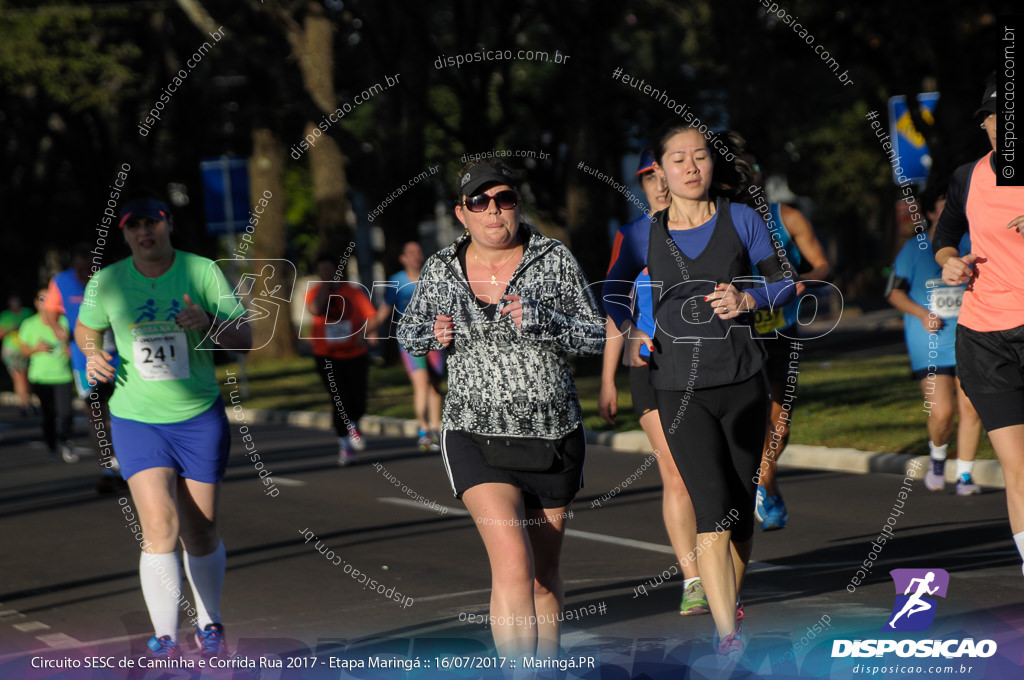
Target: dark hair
[(730, 178), (82, 250), (323, 256), (932, 195)]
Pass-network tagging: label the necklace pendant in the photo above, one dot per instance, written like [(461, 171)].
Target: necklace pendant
[(494, 280)]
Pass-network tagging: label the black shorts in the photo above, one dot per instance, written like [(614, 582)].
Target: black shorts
[(776, 364), (922, 373), (716, 436), (554, 488), (991, 370), (640, 389)]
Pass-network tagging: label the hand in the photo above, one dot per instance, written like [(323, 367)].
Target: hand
[(635, 339), (957, 270), (515, 309), (98, 367), (42, 347), (932, 323), (1018, 224), (193, 317), (444, 329), (728, 301), (608, 402), (800, 288)]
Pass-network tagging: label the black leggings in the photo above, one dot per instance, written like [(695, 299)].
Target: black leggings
[(55, 404), (716, 436), (346, 381)]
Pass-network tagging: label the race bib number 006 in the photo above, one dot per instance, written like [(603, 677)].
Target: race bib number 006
[(944, 301)]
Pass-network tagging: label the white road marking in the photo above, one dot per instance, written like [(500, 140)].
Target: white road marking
[(287, 481), (31, 626), (58, 640), (576, 533), (436, 509)]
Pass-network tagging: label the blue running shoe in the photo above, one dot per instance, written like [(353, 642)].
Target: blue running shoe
[(163, 648), (775, 514), (759, 505), (211, 641)]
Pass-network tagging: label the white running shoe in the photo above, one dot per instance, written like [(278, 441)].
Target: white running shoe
[(935, 479), (355, 438)]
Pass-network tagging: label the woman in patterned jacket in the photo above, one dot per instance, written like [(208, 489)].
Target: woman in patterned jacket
[(509, 305)]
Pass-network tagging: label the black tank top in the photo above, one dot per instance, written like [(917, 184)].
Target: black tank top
[(683, 316)]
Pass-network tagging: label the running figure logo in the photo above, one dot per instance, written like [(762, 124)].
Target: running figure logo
[(914, 609)]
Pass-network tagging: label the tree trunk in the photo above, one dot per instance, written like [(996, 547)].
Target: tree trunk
[(314, 47), (266, 175)]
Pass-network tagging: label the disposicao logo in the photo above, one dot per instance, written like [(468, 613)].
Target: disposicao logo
[(914, 610)]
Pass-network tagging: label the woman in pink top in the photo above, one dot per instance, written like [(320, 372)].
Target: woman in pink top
[(990, 333)]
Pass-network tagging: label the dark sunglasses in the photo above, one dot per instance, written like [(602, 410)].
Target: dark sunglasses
[(506, 200)]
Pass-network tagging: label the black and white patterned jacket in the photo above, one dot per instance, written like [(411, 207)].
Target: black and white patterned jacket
[(503, 380)]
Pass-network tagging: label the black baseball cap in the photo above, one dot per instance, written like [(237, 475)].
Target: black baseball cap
[(989, 103), (483, 174)]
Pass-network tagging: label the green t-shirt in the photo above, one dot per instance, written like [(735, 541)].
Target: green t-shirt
[(9, 321), (46, 368), (162, 377)]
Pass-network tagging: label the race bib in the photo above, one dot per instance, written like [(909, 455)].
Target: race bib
[(160, 352), (944, 301), (338, 331), (766, 321)]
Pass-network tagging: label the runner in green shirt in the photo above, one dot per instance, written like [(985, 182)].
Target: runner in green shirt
[(167, 418), (16, 363), (49, 374)]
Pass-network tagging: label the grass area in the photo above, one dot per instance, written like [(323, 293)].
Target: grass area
[(868, 404)]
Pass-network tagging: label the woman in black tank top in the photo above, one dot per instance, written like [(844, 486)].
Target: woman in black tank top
[(706, 364)]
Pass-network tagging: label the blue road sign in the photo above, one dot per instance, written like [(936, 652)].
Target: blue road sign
[(909, 143), (225, 194)]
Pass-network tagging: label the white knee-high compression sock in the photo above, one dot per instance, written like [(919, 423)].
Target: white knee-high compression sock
[(206, 574), (161, 588)]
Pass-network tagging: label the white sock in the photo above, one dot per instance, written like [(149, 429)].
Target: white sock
[(964, 467), (687, 582), (206, 574), (161, 586), (937, 452), (1019, 540)]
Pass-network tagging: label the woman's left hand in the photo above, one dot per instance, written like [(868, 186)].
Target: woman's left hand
[(515, 309), (729, 302)]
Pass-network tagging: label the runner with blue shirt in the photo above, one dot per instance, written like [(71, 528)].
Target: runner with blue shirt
[(64, 297), (424, 372), (707, 367), (676, 507), (792, 235), (930, 310)]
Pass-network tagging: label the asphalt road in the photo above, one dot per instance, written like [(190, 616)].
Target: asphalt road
[(69, 584)]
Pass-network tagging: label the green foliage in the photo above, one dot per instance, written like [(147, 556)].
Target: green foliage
[(66, 52), (300, 213)]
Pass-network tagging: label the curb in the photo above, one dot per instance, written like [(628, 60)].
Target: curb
[(987, 473)]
